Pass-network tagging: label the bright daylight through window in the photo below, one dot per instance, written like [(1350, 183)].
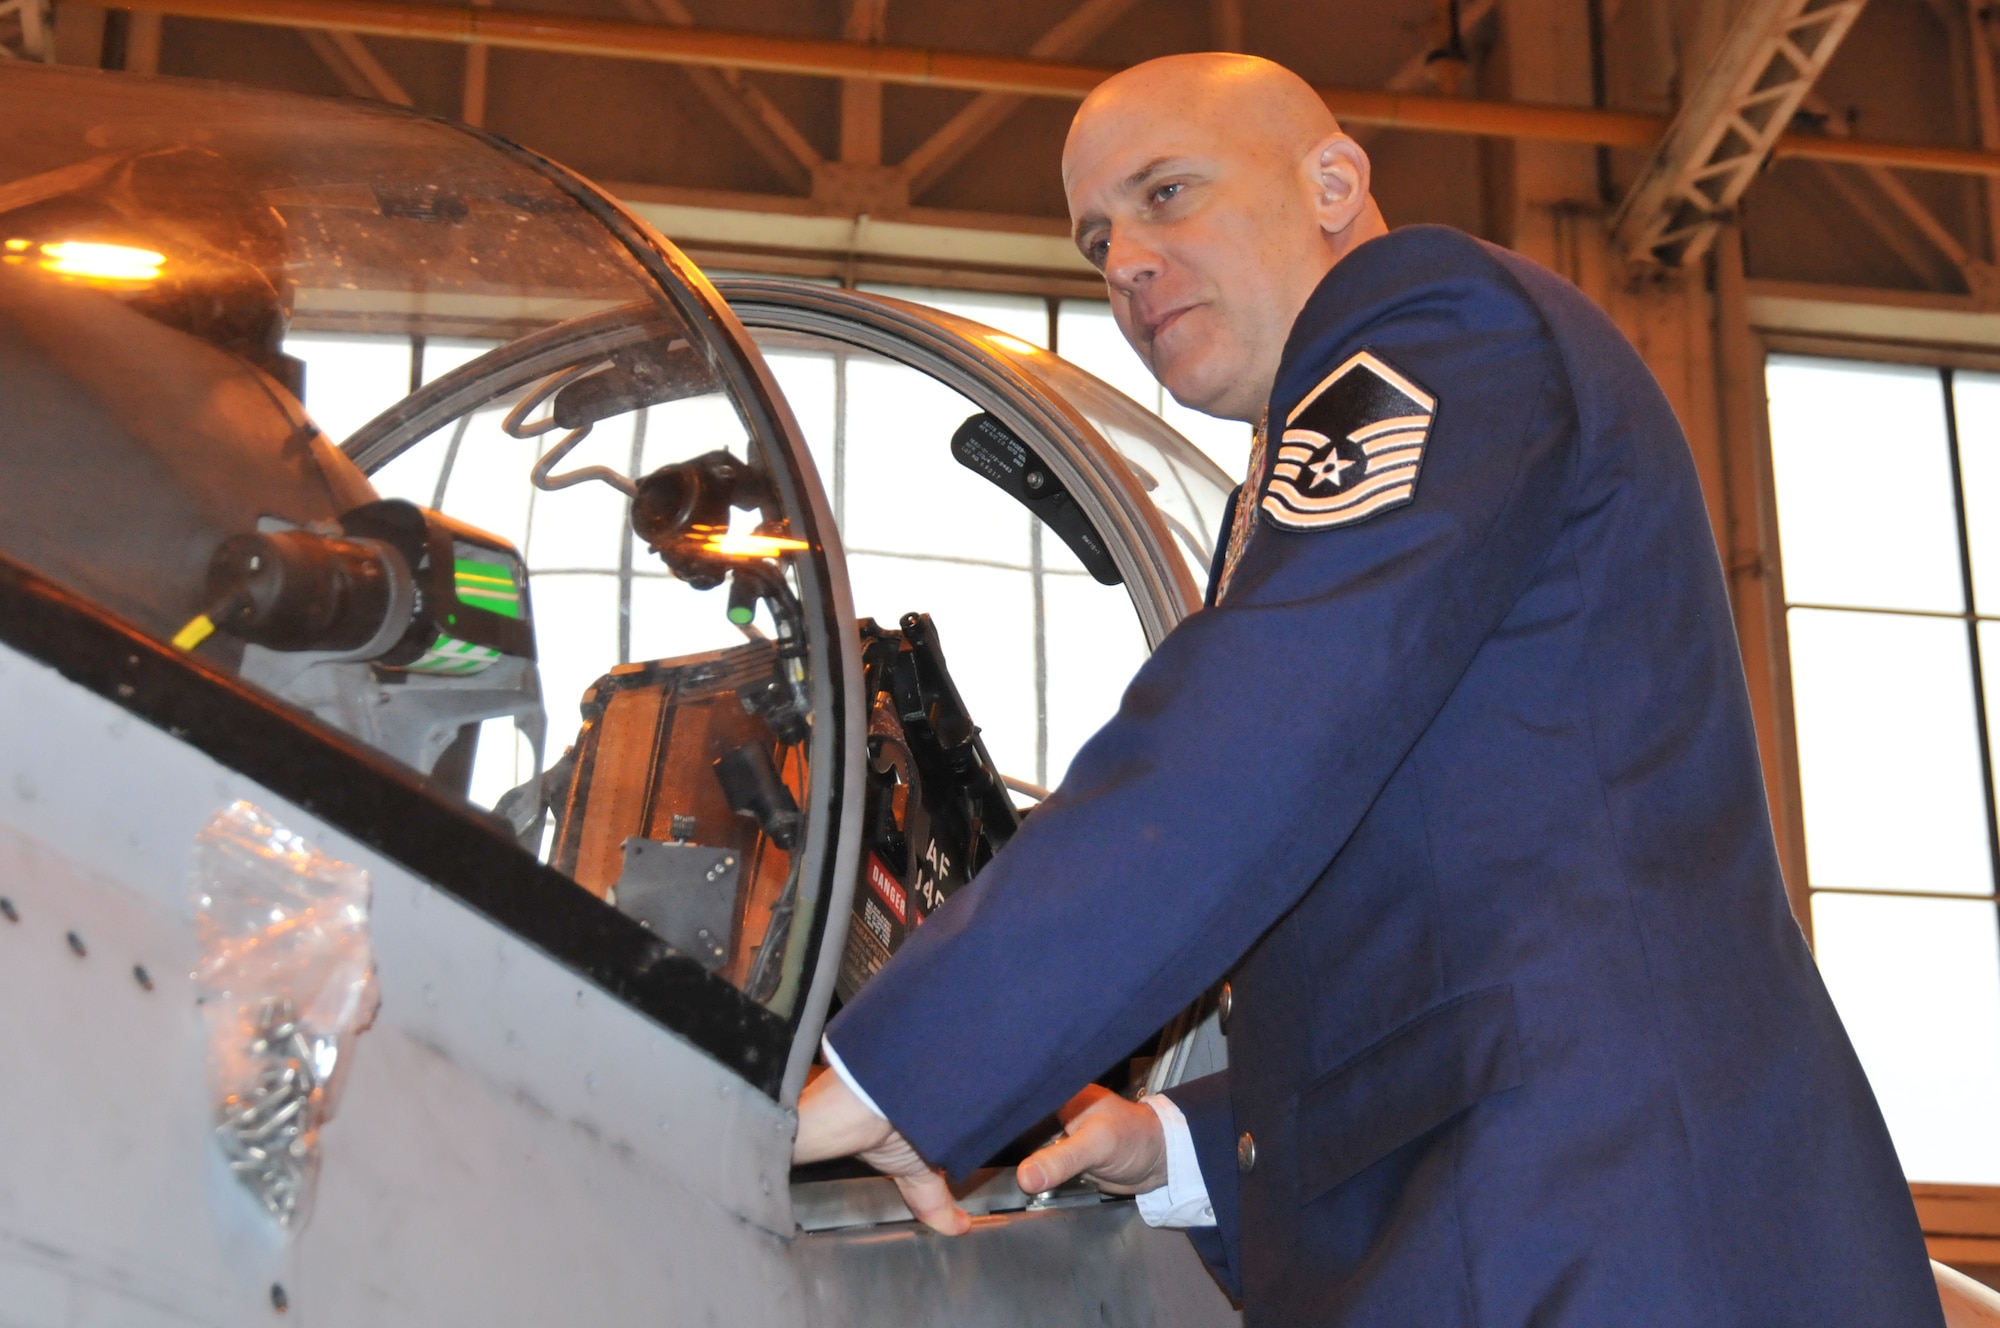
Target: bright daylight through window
[(1888, 496)]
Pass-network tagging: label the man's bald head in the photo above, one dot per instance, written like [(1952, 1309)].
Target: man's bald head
[(1214, 191), (1262, 107)]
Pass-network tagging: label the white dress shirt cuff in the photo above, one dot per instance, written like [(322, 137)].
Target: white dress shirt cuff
[(1183, 1200), (833, 1062)]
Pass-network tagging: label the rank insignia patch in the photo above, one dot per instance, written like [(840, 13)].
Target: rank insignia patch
[(1351, 449)]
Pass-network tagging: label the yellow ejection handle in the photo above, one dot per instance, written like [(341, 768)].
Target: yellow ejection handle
[(198, 630)]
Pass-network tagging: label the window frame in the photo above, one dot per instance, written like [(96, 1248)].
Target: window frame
[(1755, 321)]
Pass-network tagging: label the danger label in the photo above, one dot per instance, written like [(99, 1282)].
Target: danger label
[(884, 885)]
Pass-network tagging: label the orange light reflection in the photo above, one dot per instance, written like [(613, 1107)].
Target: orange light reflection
[(734, 545), (101, 262)]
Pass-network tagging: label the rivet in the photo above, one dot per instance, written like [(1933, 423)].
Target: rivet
[(76, 944), (142, 977), (279, 1300), (7, 909)]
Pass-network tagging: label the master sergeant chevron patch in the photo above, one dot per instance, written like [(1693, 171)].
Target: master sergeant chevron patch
[(1351, 448)]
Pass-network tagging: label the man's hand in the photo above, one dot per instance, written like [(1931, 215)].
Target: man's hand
[(1116, 1145), (834, 1123)]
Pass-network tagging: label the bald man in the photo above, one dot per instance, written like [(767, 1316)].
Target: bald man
[(1454, 780)]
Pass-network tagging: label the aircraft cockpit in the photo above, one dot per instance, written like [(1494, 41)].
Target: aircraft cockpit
[(695, 640)]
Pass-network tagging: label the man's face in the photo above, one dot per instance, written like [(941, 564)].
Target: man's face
[(1207, 241)]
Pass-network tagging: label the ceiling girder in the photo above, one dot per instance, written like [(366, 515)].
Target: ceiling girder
[(1728, 124), (820, 57)]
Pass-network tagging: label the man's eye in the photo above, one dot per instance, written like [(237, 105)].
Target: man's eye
[(1167, 191), (1097, 251)]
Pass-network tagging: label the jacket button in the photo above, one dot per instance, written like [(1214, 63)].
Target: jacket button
[(1225, 1004), (1246, 1153)]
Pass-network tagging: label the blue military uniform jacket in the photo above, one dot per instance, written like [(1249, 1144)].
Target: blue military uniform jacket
[(1458, 783)]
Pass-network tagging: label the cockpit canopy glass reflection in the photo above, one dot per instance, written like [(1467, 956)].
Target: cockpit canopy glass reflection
[(580, 589)]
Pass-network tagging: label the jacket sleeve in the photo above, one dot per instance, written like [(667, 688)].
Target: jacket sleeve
[(1211, 1122), (1245, 751)]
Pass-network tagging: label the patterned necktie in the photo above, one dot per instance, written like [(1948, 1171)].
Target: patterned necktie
[(1245, 519)]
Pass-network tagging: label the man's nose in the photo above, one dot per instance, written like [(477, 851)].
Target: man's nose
[(1130, 262)]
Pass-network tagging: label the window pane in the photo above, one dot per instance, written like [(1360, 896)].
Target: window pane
[(1989, 664), (1977, 400), (350, 379), (1888, 752), (1088, 337), (576, 631), (904, 492), (1864, 491), (1917, 983), (1092, 656)]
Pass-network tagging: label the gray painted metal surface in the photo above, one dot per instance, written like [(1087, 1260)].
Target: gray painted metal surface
[(513, 1146), (1098, 1266)]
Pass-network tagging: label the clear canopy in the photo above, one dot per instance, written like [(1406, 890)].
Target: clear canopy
[(582, 588)]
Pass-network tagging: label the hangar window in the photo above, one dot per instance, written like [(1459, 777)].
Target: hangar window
[(1888, 502)]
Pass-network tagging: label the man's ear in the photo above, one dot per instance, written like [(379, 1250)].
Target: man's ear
[(1337, 172)]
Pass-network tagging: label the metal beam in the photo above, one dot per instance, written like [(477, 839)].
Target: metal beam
[(472, 101), (989, 110), (765, 128), (356, 67), (861, 98), (1986, 104), (1728, 124), (37, 29), (1915, 216), (1415, 72), (1924, 262), (142, 44), (919, 66), (1225, 25)]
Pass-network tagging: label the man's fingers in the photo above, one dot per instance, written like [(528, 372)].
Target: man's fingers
[(930, 1202), (1053, 1164)]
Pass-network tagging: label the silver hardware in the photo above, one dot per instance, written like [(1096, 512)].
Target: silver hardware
[(267, 1135)]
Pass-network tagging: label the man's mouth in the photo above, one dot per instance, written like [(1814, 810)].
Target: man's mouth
[(1166, 320)]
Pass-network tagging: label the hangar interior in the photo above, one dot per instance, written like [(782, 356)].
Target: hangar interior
[(1791, 208)]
